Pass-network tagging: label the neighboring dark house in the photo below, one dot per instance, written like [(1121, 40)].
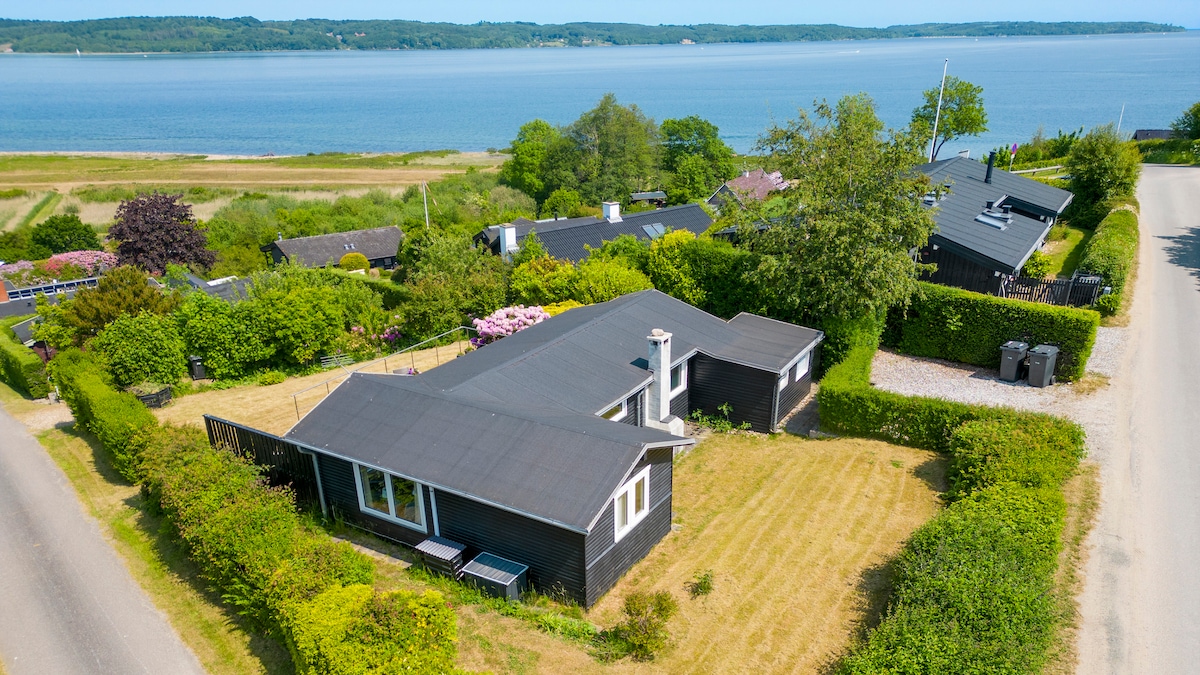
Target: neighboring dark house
[(657, 198), (989, 222), (566, 238), (17, 301), (553, 446), (379, 245), (755, 185), (1148, 134)]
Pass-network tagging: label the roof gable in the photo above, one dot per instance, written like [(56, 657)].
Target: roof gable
[(323, 249)]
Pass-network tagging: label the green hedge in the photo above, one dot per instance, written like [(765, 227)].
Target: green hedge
[(118, 419), (1113, 249), (973, 586), (20, 368), (957, 325)]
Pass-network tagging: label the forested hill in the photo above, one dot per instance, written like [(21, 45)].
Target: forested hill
[(200, 34)]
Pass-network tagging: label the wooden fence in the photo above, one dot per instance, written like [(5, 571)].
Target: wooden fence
[(284, 462), (1078, 291)]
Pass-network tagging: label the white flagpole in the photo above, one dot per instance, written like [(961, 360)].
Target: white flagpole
[(937, 117)]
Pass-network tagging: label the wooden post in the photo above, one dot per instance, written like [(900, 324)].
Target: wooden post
[(297, 404)]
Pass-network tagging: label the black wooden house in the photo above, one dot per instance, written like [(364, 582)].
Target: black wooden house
[(552, 447)]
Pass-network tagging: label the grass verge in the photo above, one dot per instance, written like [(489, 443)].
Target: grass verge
[(1082, 493), (41, 210), (1066, 253)]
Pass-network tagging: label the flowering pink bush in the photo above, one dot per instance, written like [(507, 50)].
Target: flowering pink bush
[(506, 321), (13, 270), (90, 262)]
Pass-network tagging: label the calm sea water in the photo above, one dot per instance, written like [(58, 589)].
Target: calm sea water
[(298, 102)]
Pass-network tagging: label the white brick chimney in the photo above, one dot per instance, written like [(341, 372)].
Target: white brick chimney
[(508, 241), (658, 396), (612, 211)]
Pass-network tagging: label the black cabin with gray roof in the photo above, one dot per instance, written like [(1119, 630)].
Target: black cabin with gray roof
[(551, 447), (989, 222), (379, 245), (569, 238)]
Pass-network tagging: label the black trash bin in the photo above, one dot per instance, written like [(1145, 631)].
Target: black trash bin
[(196, 368), (1012, 360), (1042, 359)]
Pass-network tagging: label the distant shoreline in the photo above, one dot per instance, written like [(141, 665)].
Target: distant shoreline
[(175, 35)]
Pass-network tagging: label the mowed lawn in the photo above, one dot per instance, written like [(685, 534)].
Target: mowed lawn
[(272, 408), (798, 534), (1065, 254)]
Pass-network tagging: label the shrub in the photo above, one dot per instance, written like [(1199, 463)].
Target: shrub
[(62, 233), (1034, 453), (1108, 304), (271, 377), (353, 629), (1103, 166), (643, 632), (354, 261), (543, 281), (701, 585), (20, 368), (1112, 251), (506, 321), (958, 325), (1038, 266), (232, 339), (560, 307), (142, 348), (125, 290), (604, 280)]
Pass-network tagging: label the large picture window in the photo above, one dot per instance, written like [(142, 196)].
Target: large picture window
[(391, 497), (632, 503)]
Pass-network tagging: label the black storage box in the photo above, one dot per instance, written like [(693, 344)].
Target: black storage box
[(496, 576), (442, 556)]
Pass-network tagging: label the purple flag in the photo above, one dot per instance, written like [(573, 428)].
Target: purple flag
[(1014, 149)]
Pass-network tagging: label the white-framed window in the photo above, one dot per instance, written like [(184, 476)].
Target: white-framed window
[(617, 412), (678, 378), (632, 503), (390, 497), (802, 366), (783, 381)]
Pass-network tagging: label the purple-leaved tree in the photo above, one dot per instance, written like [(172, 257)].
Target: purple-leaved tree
[(157, 229)]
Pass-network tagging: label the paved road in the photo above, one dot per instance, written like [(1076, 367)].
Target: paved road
[(67, 602), (1141, 605)]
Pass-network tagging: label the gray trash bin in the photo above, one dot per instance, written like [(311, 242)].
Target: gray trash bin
[(1042, 359), (196, 368), (1012, 360)]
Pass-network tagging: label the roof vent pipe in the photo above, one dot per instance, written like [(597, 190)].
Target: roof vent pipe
[(991, 165)]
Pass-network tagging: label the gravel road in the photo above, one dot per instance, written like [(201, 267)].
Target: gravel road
[(67, 603)]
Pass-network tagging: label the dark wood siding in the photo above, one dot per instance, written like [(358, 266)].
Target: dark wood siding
[(954, 270), (607, 561), (679, 404), (633, 410), (285, 463), (341, 495), (554, 555), (795, 391), (749, 391)]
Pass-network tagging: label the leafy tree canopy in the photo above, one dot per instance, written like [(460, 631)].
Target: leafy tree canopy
[(962, 113), (1187, 125), (528, 151), (697, 158), (124, 290), (1102, 166), (841, 248), (64, 233), (156, 229), (142, 348)]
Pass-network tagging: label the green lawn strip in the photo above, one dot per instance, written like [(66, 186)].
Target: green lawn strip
[(1069, 251), (41, 210), (159, 565)]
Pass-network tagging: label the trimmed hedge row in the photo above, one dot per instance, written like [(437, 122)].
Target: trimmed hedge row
[(973, 586), (950, 323), (117, 418), (1113, 249), (20, 368), (252, 546)]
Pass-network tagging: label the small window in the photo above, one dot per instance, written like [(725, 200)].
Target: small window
[(632, 503), (802, 366), (391, 497), (616, 412), (678, 378)]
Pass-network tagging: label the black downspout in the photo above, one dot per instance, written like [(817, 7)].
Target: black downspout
[(991, 165)]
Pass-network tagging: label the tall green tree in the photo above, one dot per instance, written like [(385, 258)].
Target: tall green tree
[(1187, 125), (124, 290), (696, 157), (841, 251), (962, 113), (64, 233), (1103, 165), (526, 166)]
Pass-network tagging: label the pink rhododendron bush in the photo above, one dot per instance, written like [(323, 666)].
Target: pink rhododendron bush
[(60, 267), (506, 321)]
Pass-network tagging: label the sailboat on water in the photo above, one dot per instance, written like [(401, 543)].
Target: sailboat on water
[(77, 52)]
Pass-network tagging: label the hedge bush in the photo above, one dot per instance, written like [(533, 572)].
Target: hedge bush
[(1030, 452), (1113, 249), (950, 323), (972, 590), (20, 368), (118, 419)]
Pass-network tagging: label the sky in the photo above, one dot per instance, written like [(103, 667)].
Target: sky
[(847, 12)]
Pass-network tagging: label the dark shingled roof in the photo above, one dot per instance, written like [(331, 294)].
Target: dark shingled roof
[(554, 465), (320, 250), (567, 237), (1004, 250), (605, 345)]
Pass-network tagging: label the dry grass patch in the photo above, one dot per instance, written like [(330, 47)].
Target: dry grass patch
[(798, 534), (1082, 493), (1090, 383), (271, 409)]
